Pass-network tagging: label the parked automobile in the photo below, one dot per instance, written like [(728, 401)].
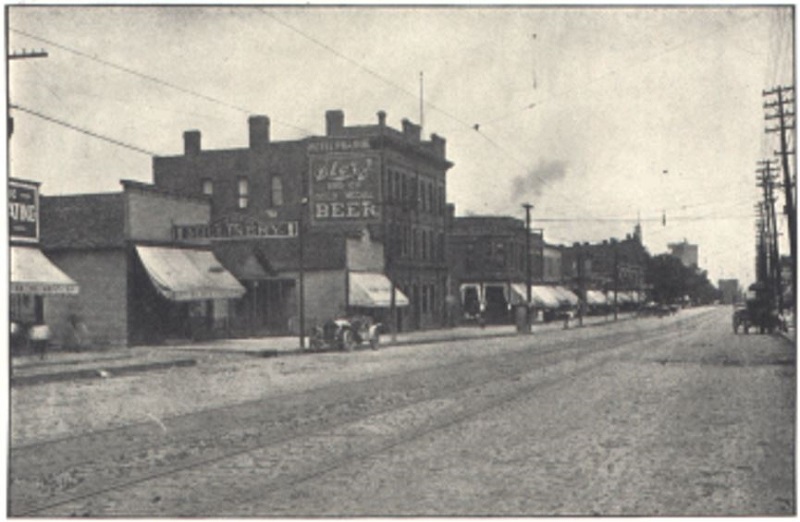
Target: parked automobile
[(345, 334)]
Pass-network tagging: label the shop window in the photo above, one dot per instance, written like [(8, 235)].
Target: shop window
[(277, 191), (208, 187), (243, 192)]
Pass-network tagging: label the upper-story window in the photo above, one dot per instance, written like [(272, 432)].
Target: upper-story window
[(277, 191), (208, 187), (243, 192)]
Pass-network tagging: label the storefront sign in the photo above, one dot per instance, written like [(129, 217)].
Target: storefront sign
[(338, 145), (235, 230), (23, 211), (345, 188)]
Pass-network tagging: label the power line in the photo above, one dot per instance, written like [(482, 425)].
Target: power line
[(82, 130), (613, 72), (364, 68), (149, 77)]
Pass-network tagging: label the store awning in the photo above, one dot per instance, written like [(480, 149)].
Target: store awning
[(32, 273), (565, 296), (595, 298), (373, 290), (188, 275), (544, 297)]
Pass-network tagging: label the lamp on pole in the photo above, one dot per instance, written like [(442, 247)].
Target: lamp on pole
[(527, 207)]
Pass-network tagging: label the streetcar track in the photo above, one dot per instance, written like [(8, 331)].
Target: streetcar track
[(329, 387), (504, 370)]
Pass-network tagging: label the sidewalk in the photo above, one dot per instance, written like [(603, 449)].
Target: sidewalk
[(65, 366)]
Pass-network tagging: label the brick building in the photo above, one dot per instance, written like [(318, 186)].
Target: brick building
[(488, 267), (609, 266), (363, 201), (137, 285)]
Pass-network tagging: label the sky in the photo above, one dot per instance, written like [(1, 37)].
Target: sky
[(598, 116)]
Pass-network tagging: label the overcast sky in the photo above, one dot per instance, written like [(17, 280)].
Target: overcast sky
[(605, 115)]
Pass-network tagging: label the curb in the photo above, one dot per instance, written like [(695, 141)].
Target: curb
[(98, 372)]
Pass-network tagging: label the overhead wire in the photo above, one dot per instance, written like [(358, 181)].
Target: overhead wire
[(613, 72), (81, 130), (149, 77)]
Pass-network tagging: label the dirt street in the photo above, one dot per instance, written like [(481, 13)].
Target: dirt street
[(673, 416)]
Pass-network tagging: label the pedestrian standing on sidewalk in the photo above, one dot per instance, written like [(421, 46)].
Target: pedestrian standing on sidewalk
[(39, 336)]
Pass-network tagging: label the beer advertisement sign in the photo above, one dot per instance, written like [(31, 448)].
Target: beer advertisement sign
[(345, 188), (23, 211)]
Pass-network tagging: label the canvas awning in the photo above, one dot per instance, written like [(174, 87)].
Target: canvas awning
[(595, 298), (373, 290), (544, 297), (188, 275), (32, 273), (565, 296)]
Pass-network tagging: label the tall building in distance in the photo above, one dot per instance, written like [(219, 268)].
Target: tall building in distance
[(729, 291), (686, 252)]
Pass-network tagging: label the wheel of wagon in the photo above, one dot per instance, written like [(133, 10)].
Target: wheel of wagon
[(347, 341)]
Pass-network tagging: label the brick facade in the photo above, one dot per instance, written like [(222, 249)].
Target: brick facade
[(388, 182)]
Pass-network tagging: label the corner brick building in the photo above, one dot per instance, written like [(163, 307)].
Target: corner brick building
[(361, 202)]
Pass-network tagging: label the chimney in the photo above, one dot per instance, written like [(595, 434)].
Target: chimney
[(411, 131), (191, 142), (382, 118), (259, 131), (439, 146), (334, 122)]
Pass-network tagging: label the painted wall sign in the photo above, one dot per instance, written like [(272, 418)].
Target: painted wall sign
[(345, 187), (23, 211), (234, 230)]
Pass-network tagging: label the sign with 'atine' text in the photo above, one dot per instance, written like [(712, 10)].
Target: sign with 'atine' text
[(23, 211), (345, 188)]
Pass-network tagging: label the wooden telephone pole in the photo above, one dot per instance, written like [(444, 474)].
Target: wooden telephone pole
[(781, 109)]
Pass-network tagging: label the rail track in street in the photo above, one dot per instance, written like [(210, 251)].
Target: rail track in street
[(65, 476)]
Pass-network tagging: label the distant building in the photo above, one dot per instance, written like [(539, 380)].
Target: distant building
[(729, 291), (686, 252), (608, 267), (488, 264)]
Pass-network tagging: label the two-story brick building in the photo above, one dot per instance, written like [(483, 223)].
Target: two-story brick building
[(488, 263), (300, 210), (615, 268)]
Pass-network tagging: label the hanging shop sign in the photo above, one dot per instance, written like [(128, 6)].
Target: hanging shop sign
[(227, 229), (23, 211), (344, 188)]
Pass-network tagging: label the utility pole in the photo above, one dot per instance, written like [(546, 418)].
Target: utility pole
[(528, 282), (20, 55), (616, 276), (766, 182), (784, 113), (581, 292)]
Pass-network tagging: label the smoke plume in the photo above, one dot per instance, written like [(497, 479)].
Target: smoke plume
[(538, 178)]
